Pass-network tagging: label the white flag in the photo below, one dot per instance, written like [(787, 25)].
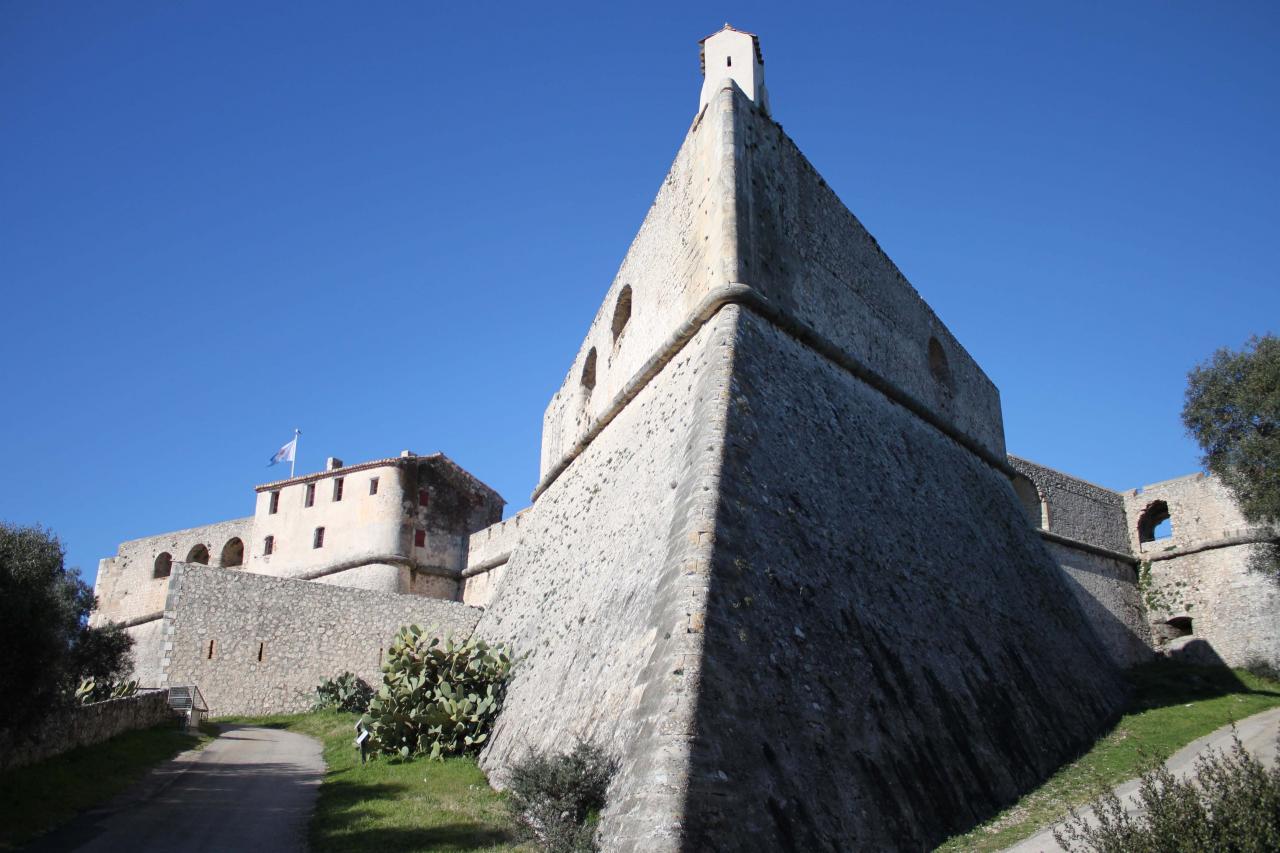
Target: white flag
[(286, 453)]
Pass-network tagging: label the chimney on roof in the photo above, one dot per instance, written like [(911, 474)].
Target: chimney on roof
[(405, 454), (732, 54), (332, 463)]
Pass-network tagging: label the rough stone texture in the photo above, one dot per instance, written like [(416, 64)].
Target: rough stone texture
[(801, 248), (1201, 510), (605, 596), (85, 725), (741, 205), (1078, 509), (148, 651), (1231, 609), (487, 553), (126, 585), (890, 655), (274, 639), (1195, 574), (1107, 590), (791, 586)]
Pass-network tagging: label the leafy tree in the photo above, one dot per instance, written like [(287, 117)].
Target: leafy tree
[(1233, 411), (47, 644)]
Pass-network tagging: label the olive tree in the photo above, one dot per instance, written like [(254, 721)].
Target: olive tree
[(47, 643), (1233, 411)]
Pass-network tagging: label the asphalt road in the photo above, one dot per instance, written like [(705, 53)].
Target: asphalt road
[(251, 789)]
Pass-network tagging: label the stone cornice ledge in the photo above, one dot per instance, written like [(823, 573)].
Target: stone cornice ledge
[(1260, 536), (487, 566), (1079, 545), (748, 297)]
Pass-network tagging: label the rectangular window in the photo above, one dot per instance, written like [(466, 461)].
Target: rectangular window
[(317, 541), (337, 489), (275, 503), (420, 538), (311, 495), (373, 486), (269, 546), (424, 497)]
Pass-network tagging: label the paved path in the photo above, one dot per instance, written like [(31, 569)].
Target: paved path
[(251, 789), (1258, 734)]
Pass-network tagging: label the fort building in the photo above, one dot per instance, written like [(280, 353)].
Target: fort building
[(726, 577)]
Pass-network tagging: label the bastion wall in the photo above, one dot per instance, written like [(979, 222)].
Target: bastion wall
[(1196, 584), (604, 596), (256, 644)]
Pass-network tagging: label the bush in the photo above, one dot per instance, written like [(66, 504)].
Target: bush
[(437, 697), (346, 692), (48, 646), (1232, 804), (556, 800), (1262, 668)]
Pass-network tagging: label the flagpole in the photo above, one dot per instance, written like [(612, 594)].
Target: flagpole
[(293, 457)]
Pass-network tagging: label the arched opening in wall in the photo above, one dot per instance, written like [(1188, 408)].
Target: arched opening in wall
[(233, 553), (938, 365), (1029, 499), (1154, 523), (163, 566), (621, 312), (198, 554), (1179, 626), (589, 370)]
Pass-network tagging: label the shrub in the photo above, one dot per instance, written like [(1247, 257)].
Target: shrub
[(346, 692), (91, 690), (437, 697), (1262, 668), (48, 647), (1232, 804), (556, 799)]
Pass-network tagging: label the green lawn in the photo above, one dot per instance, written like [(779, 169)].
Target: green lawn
[(390, 805), (36, 799), (1171, 706)]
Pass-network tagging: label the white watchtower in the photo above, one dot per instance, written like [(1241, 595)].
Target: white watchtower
[(736, 55)]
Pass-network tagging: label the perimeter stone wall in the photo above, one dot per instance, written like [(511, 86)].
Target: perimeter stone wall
[(1234, 610), (256, 644), (1107, 590), (1078, 509), (84, 726)]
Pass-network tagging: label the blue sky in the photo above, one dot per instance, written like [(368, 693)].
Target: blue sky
[(390, 224)]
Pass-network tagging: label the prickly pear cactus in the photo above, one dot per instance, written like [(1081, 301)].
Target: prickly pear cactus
[(438, 697)]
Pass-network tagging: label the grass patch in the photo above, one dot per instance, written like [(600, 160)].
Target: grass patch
[(43, 796), (1172, 705), (446, 807)]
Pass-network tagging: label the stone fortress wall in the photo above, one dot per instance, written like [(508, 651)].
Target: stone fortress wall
[(1084, 530), (776, 545), (1199, 594), (256, 644), (488, 552), (700, 514)]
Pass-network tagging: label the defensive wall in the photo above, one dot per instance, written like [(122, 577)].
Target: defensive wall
[(1197, 586), (257, 644), (775, 547), (488, 552), (83, 726), (1084, 529)]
